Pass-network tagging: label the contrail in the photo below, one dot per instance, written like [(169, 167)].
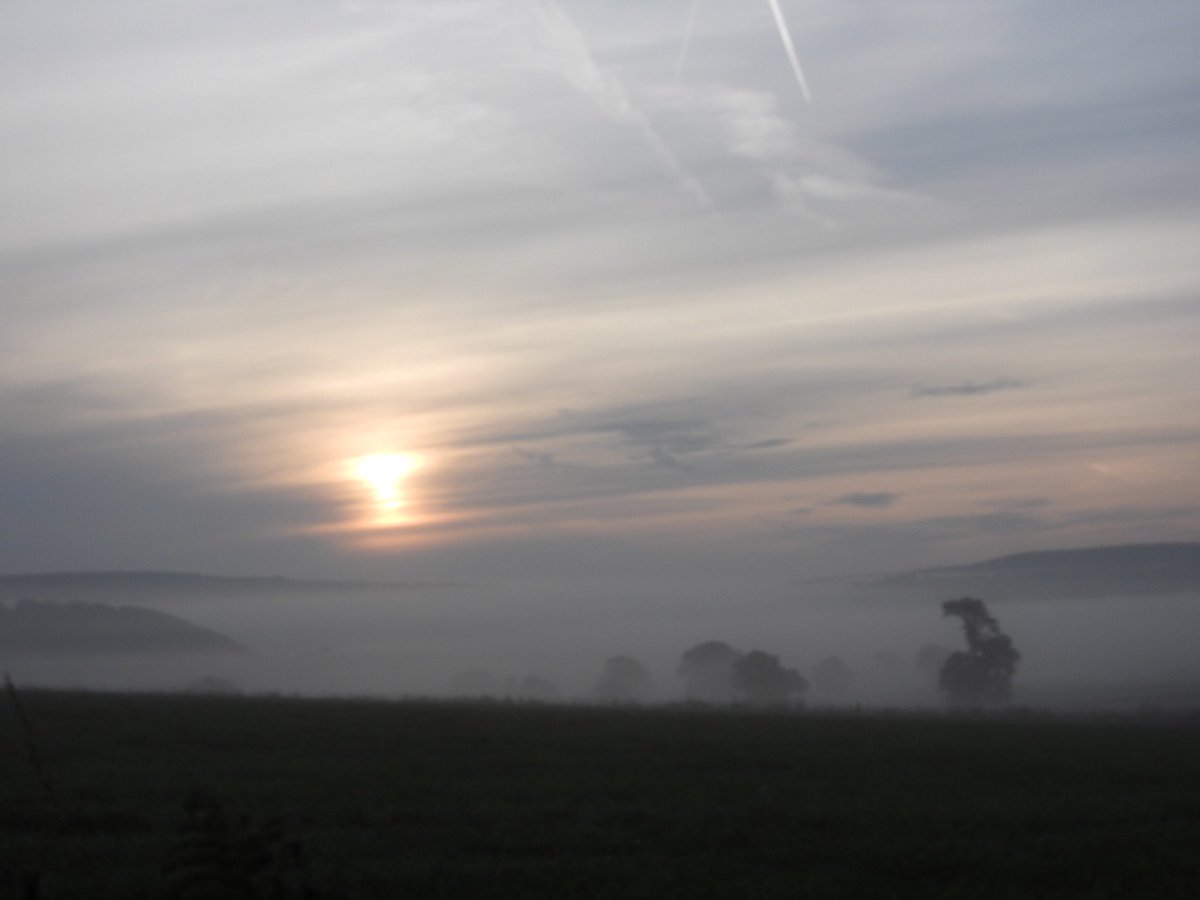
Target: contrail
[(687, 39), (610, 96), (786, 37)]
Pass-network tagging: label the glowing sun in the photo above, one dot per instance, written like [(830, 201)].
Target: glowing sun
[(383, 473)]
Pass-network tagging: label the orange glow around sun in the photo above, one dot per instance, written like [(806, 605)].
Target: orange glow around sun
[(383, 474)]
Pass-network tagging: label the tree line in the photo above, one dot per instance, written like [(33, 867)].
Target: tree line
[(714, 672)]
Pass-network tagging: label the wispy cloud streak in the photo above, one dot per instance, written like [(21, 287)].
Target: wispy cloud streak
[(608, 93), (967, 388), (866, 499), (687, 39)]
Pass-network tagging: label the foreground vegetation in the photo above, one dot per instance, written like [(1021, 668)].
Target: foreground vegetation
[(155, 796)]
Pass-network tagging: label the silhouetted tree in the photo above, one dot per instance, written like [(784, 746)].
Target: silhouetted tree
[(623, 680), (831, 677), (760, 678), (706, 672), (983, 674)]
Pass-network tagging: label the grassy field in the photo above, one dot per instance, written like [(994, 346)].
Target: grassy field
[(155, 796)]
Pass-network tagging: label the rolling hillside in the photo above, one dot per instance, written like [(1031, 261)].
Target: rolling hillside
[(1122, 570), (36, 628)]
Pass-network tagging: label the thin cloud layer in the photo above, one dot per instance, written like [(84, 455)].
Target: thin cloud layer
[(967, 388), (611, 301), (866, 499)]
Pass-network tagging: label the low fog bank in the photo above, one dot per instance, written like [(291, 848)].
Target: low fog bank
[(543, 641)]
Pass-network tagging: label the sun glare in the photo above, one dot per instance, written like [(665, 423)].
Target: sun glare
[(383, 474)]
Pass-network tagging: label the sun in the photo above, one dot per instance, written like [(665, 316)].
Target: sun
[(383, 474)]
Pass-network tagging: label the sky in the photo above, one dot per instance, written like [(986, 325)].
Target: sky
[(603, 292)]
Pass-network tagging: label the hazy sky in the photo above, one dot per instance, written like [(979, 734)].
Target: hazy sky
[(634, 304)]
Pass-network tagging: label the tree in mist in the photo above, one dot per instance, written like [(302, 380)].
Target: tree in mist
[(930, 659), (891, 664), (831, 677), (983, 674), (536, 688), (706, 670), (623, 680), (213, 686), (760, 678), (476, 683), (482, 683)]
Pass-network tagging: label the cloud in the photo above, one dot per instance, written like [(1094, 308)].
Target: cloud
[(768, 444), (543, 460), (251, 248), (867, 500), (607, 92), (758, 158), (956, 527), (641, 434), (665, 457), (1019, 504), (967, 388)]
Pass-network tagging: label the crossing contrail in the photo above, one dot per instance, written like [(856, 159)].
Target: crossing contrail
[(608, 94), (786, 37)]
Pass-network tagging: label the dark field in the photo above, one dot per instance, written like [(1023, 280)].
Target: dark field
[(204, 797)]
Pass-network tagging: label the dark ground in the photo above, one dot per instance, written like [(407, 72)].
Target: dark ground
[(157, 796)]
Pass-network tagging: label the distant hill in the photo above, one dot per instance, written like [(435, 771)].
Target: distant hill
[(35, 628), (1121, 570), (167, 586)]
